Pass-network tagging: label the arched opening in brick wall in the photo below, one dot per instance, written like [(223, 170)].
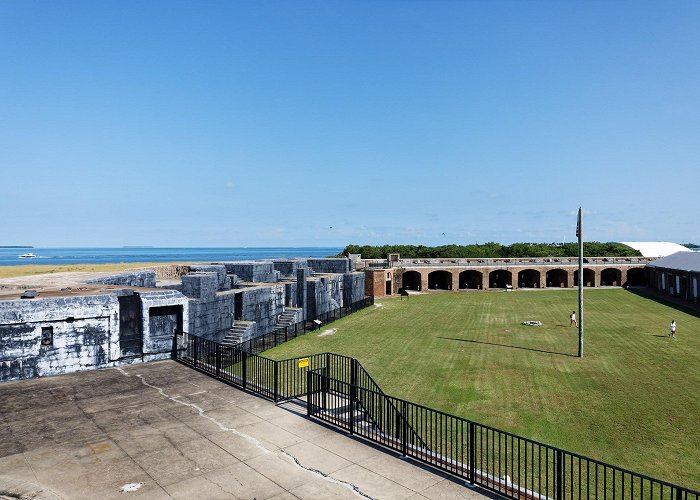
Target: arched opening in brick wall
[(471, 280), (440, 280), (636, 276), (557, 278), (610, 277), (588, 277), (411, 280), (500, 278), (529, 278)]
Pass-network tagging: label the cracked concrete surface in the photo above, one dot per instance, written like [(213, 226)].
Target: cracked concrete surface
[(180, 434)]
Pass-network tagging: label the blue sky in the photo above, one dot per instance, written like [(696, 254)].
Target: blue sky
[(298, 123)]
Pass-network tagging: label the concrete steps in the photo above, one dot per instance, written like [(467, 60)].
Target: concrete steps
[(288, 317), (238, 333)]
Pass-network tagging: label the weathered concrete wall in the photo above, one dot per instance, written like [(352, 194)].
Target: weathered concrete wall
[(210, 311), (334, 265), (324, 294), (145, 279), (223, 280), (81, 333), (263, 305), (353, 288), (201, 286), (331, 291), (56, 335), (290, 294), (253, 272), (164, 312), (302, 290), (288, 267)]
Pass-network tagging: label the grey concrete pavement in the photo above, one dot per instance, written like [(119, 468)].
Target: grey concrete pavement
[(162, 430)]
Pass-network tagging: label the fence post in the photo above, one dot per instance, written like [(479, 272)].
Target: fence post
[(286, 333), (244, 369), (276, 381), (353, 394), (218, 361), (325, 383), (472, 451), (560, 475), (309, 393), (196, 352), (404, 430)]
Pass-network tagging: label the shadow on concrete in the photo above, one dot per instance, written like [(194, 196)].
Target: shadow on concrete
[(511, 346)]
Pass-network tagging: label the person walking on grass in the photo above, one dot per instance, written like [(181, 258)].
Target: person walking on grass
[(673, 329), (572, 319)]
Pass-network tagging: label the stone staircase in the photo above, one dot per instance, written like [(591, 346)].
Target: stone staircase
[(287, 318), (238, 333)]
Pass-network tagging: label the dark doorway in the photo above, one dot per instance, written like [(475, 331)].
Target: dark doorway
[(610, 277), (470, 280), (388, 287), (529, 278), (411, 280), (130, 326), (557, 278), (500, 278), (440, 280), (238, 306), (165, 321), (588, 277)]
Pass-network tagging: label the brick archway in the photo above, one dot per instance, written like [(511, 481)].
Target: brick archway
[(440, 280), (471, 280), (557, 278), (411, 280)]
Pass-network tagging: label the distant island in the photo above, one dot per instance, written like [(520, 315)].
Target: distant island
[(137, 246), (16, 246)]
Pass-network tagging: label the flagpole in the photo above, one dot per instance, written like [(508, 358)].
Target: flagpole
[(579, 233)]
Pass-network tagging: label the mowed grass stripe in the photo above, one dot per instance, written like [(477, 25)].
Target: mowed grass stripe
[(632, 401)]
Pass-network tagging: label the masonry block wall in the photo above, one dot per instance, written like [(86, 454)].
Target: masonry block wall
[(263, 305), (353, 288), (165, 313), (337, 265), (78, 333), (288, 267), (253, 272), (144, 279), (223, 280), (210, 313)]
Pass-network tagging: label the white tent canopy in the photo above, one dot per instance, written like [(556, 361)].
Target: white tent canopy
[(656, 248)]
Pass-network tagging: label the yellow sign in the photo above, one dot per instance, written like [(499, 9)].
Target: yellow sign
[(303, 362)]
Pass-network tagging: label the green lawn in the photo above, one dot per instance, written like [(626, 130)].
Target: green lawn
[(633, 400)]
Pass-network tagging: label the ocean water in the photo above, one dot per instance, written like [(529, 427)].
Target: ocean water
[(58, 256)]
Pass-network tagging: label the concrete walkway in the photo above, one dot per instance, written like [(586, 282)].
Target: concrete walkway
[(162, 430)]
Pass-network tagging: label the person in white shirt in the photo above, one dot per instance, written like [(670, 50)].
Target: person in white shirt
[(572, 318)]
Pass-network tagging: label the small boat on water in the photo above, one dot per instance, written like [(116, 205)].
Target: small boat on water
[(27, 256)]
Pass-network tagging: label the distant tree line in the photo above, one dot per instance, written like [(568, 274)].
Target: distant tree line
[(493, 250), (692, 246)]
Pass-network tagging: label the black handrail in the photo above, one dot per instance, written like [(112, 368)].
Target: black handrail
[(498, 460)]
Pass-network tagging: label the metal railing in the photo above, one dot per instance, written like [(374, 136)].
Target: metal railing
[(500, 461), (281, 335), (339, 391)]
